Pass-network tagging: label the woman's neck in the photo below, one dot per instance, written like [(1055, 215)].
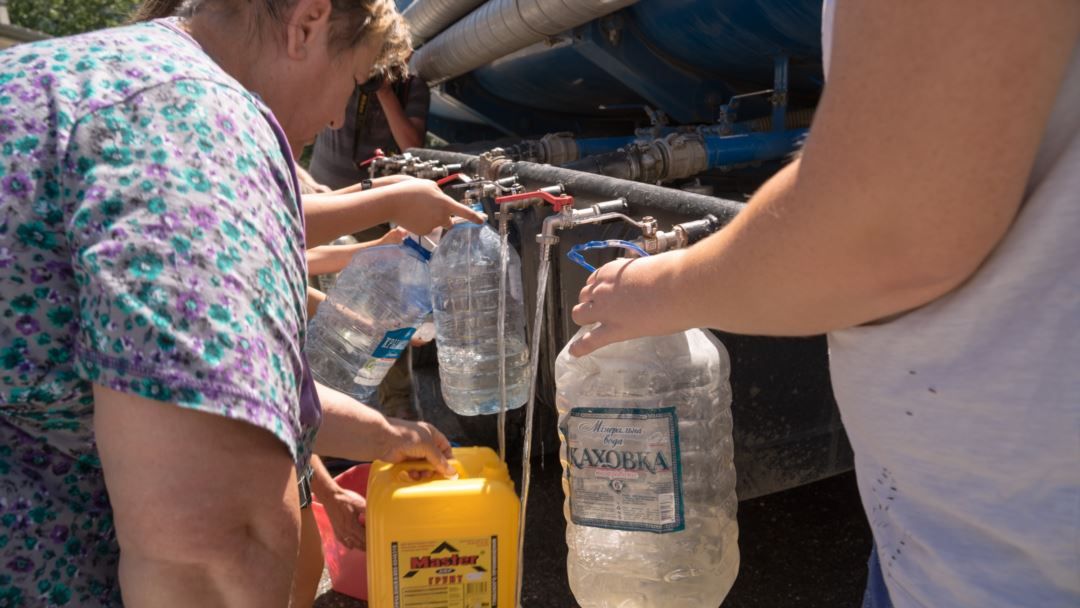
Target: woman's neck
[(238, 56)]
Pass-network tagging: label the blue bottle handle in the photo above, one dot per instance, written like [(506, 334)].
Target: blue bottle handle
[(411, 243), (575, 251)]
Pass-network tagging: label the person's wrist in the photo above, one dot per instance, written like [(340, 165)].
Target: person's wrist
[(323, 487), (395, 434), (384, 209), (667, 276)]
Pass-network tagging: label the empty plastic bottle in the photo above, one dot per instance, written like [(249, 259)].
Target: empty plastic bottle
[(646, 448), (465, 299), (368, 318)]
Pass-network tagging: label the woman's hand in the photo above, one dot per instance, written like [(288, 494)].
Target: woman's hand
[(334, 258), (420, 206), (419, 441), (394, 237), (355, 431), (344, 508), (626, 299)]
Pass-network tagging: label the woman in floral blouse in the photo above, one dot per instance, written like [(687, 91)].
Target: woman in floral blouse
[(154, 397)]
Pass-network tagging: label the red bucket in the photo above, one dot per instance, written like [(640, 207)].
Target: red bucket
[(347, 567)]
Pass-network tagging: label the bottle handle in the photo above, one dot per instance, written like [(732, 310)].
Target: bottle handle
[(412, 243), (576, 255)]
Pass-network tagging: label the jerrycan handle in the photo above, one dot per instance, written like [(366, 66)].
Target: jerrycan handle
[(403, 470), (575, 251)]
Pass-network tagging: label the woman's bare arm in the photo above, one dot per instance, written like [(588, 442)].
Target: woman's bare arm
[(206, 508), (913, 171)]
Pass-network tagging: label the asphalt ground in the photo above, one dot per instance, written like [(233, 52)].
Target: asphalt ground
[(805, 547)]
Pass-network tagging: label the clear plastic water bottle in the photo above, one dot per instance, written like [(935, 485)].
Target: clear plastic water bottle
[(465, 299), (368, 318), (645, 427)]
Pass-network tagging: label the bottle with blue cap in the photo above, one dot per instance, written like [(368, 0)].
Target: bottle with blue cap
[(465, 300), (368, 318), (648, 472)]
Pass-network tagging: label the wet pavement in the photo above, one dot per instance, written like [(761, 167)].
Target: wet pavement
[(805, 547)]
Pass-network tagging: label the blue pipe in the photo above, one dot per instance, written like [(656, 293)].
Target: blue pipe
[(740, 149), (601, 145)]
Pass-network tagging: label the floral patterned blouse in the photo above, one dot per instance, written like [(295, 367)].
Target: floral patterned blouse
[(151, 241)]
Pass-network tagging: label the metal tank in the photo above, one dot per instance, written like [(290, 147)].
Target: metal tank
[(685, 58), (659, 101)]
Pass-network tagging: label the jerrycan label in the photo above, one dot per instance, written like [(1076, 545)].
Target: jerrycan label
[(386, 353), (625, 471), (447, 573)]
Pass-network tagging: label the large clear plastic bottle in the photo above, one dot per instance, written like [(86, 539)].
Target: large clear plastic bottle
[(648, 473), (368, 318), (465, 299)]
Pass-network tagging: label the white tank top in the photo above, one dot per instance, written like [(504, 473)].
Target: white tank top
[(965, 414)]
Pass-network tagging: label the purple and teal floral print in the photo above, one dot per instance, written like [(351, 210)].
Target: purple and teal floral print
[(151, 241), (57, 542)]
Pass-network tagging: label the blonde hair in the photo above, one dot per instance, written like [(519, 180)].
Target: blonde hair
[(352, 21)]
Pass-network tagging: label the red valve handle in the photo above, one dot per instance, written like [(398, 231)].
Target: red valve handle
[(453, 178), (378, 154), (558, 202)]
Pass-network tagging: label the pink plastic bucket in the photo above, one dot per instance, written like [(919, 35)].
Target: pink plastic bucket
[(347, 567)]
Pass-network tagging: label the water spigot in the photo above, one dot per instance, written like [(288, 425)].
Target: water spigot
[(692, 232), (480, 190), (679, 237), (378, 154), (568, 217)]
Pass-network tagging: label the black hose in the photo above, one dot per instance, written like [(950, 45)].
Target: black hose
[(644, 198), (611, 164)]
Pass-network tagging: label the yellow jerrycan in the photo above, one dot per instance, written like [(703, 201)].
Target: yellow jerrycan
[(442, 543)]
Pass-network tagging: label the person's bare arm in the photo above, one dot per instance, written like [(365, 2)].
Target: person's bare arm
[(913, 171), (408, 132), (334, 258), (314, 299), (326, 259), (308, 184), (343, 506), (418, 205), (206, 508), (378, 182), (355, 431)]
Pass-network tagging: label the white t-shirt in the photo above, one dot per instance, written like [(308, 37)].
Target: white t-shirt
[(965, 414)]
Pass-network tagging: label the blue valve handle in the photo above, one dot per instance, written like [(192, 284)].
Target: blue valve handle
[(575, 251)]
